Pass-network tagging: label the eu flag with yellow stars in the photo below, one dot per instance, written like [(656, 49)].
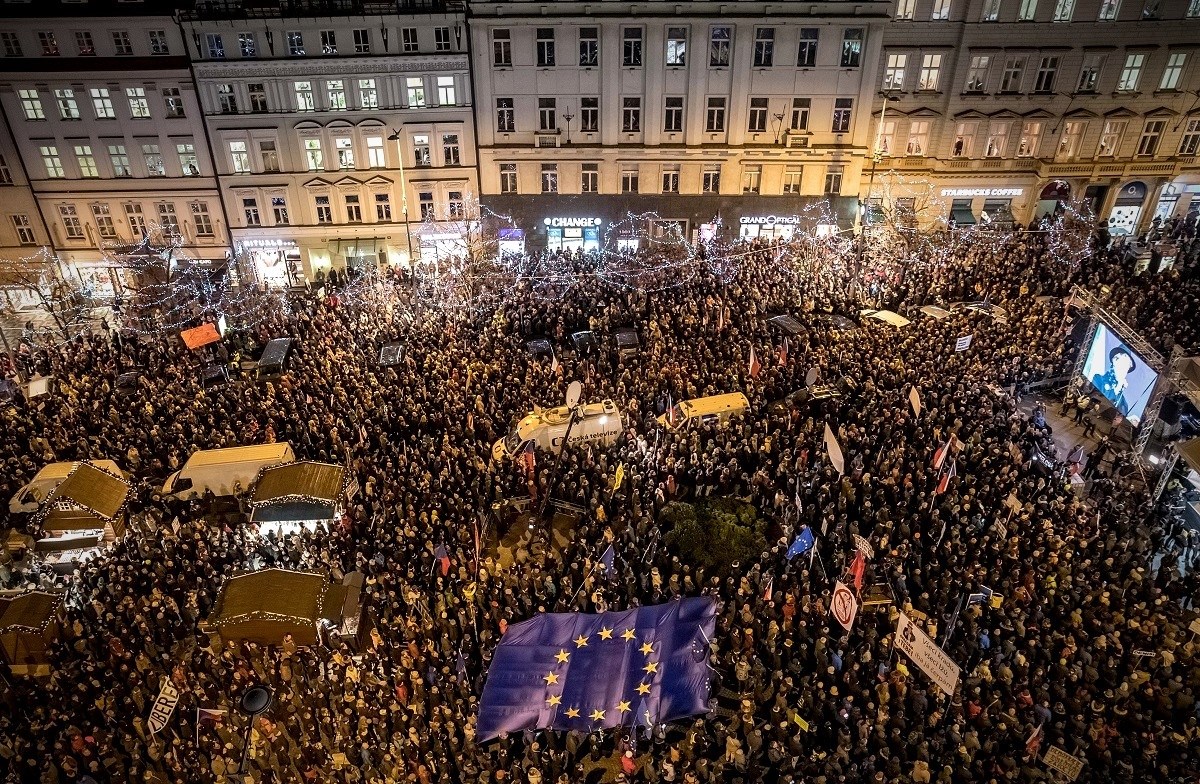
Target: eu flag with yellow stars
[(577, 671)]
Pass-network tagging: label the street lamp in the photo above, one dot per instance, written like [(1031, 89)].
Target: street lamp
[(255, 702), (778, 125), (568, 117), (395, 137)]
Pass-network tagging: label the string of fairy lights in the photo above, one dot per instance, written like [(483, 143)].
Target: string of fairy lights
[(474, 275)]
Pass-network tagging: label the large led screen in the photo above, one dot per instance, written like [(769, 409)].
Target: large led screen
[(1118, 373)]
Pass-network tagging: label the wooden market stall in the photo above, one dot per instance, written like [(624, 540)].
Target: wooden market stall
[(264, 606), (29, 624), (298, 495)]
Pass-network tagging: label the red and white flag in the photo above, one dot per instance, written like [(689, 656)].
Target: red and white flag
[(670, 410), (1034, 742), (755, 365), (857, 569), (947, 475), (939, 456)]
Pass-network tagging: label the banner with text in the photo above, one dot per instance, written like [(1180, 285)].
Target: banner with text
[(924, 653)]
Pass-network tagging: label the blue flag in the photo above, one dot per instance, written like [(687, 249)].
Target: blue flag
[(606, 560), (804, 542), (576, 671)]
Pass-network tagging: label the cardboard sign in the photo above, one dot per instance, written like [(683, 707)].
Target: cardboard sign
[(1066, 764), (923, 651), (1194, 626), (843, 605), (864, 547), (963, 343), (163, 708), (914, 397), (200, 336)]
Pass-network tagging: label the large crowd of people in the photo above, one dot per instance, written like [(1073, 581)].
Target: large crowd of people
[(1079, 576)]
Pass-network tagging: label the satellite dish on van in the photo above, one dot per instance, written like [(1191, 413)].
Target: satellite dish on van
[(812, 376), (573, 393)]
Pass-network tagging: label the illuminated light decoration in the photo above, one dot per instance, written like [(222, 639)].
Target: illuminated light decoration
[(1069, 237), (62, 297), (636, 256)]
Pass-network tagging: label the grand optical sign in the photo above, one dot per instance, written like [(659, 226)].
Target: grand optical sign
[(955, 193), (771, 220), (572, 223)]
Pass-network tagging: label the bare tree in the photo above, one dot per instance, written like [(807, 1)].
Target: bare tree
[(40, 278)]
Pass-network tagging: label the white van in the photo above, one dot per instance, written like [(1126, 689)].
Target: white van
[(599, 423), (716, 408), (219, 470), (30, 497)]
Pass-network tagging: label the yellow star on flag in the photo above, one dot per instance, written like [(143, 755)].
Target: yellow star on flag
[(647, 648), (550, 678), (555, 699), (627, 635), (651, 667), (623, 706), (572, 713), (562, 656), (606, 634), (581, 641), (598, 715), (643, 688)]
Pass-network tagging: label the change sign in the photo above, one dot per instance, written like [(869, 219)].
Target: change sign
[(164, 706), (924, 653)]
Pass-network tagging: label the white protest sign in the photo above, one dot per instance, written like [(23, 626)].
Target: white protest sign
[(164, 706), (864, 546), (963, 343), (843, 605), (924, 653), (914, 398), (1066, 764), (835, 451), (1194, 626)]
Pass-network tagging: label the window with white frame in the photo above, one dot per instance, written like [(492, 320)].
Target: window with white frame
[(1027, 11), (673, 114), (84, 43), (589, 47), (714, 119), (441, 39), (1151, 136), (751, 178), (1031, 139), (304, 96), (1046, 74), (250, 212), (31, 104), (918, 137), (450, 150), (102, 104), (68, 109), (547, 114), (279, 210), (226, 100), (631, 114), (631, 47), (415, 86), (630, 181), (800, 111), (1109, 10), (1064, 10), (1189, 143), (383, 207), (189, 163), (139, 105), (964, 139), (335, 91), (710, 178), (313, 154), (764, 47), (589, 178), (1071, 141), (258, 97), (508, 178), (376, 158), (268, 154), (502, 47), (425, 203), (506, 115), (239, 154), (72, 226), (887, 138), (757, 117), (362, 41), (368, 94), (49, 43), (136, 219), (833, 180), (1193, 9), (409, 42), (122, 45), (793, 177), (51, 161), (905, 9), (941, 10), (323, 209), (328, 42), (201, 218), (119, 159), (247, 45), (344, 148), (977, 73), (1089, 74), (1131, 73), (991, 11), (25, 234), (670, 178), (677, 46), (852, 41), (421, 154), (893, 72), (446, 92), (214, 46), (842, 108), (997, 140), (931, 72), (1014, 72), (806, 52), (1173, 71), (549, 178), (589, 114), (168, 220), (1110, 138), (172, 102), (295, 41), (455, 205), (545, 47), (105, 226), (158, 42), (11, 44)]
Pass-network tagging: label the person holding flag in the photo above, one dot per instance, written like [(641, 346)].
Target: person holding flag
[(802, 544)]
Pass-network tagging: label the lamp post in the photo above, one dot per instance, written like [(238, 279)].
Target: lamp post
[(778, 125), (568, 116), (395, 137), (255, 702)]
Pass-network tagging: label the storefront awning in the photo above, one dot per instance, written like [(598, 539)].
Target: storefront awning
[(962, 216)]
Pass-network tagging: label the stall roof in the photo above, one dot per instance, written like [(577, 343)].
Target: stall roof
[(887, 316), (933, 311), (92, 488), (58, 519), (307, 479), (28, 612), (1189, 378), (272, 594)]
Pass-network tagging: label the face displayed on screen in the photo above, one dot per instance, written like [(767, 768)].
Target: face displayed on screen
[(1119, 374)]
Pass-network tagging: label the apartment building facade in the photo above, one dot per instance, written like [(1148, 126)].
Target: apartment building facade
[(106, 131), (714, 117), (1014, 107), (340, 141)]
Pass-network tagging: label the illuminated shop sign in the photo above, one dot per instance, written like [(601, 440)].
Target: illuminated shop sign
[(267, 243), (772, 220), (956, 193), (572, 223)]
